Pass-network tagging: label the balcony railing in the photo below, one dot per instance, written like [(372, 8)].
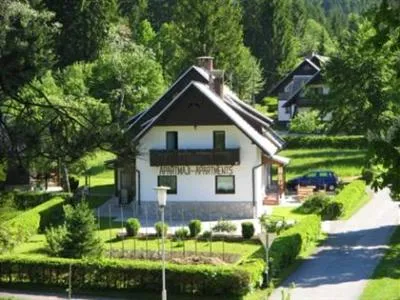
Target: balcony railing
[(192, 157)]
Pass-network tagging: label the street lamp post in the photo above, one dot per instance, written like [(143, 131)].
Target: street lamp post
[(162, 202)]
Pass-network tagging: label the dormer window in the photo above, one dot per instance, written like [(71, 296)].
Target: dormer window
[(219, 140), (172, 140)]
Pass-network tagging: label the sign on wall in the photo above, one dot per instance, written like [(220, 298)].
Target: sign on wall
[(196, 170)]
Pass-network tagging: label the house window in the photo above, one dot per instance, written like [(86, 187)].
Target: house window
[(287, 110), (224, 184), (219, 140), (169, 181), (172, 140)]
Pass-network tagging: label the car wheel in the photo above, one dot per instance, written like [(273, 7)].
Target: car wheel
[(331, 187)]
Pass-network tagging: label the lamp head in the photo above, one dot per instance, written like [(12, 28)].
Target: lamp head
[(161, 195)]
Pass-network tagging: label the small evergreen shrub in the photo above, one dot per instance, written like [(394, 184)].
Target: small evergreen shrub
[(314, 204), (132, 226), (273, 224), (247, 230), (224, 226), (332, 211), (159, 227), (55, 237), (181, 234), (206, 235), (195, 227)]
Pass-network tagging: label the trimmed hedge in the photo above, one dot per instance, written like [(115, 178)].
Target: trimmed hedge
[(325, 141), (128, 275), (350, 196), (292, 242), (26, 224), (26, 200)]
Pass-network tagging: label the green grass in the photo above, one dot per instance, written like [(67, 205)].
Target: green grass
[(288, 213), (344, 162), (385, 281)]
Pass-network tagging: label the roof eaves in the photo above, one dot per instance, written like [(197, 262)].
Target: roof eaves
[(289, 100), (201, 71)]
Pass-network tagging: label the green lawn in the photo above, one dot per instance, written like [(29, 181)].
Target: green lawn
[(385, 282), (344, 162)]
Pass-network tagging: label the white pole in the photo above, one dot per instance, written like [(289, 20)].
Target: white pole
[(164, 291)]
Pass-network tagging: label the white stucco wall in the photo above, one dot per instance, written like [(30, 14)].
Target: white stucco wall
[(199, 187), (282, 115)]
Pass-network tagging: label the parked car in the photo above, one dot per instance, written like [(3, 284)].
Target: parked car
[(321, 179)]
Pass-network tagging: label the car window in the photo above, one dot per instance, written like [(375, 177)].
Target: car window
[(311, 175), (324, 174)]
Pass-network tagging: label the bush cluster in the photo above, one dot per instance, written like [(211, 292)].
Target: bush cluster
[(23, 226), (159, 226), (126, 275), (194, 227), (322, 205), (224, 226), (350, 196), (77, 237), (325, 141), (293, 241), (181, 234), (26, 200), (247, 230), (132, 226)]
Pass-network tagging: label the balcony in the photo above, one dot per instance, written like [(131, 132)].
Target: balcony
[(194, 157)]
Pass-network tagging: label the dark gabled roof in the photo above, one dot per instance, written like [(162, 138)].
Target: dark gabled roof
[(193, 73), (292, 99), (288, 78), (265, 143)]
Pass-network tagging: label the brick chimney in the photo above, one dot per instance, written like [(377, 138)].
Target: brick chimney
[(206, 62), (217, 82)]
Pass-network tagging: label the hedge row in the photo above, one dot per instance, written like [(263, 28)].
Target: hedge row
[(325, 141), (128, 275), (350, 196), (23, 226), (26, 200), (297, 239)]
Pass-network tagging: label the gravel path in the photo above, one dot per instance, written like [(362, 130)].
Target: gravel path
[(339, 270)]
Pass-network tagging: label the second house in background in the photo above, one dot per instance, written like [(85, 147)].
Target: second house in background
[(294, 90)]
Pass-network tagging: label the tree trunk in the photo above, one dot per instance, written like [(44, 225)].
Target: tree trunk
[(66, 179)]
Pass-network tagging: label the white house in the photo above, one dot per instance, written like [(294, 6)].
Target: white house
[(291, 90), (214, 151)]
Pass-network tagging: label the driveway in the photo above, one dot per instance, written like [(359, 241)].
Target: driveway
[(339, 270)]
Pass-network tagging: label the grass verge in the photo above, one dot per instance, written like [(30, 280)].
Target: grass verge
[(385, 281), (344, 162)]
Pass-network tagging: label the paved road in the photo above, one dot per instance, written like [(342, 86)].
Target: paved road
[(339, 270)]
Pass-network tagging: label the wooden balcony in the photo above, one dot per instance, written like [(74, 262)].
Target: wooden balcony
[(194, 157)]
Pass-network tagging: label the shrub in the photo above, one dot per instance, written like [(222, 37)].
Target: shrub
[(350, 196), (206, 234), (247, 230), (306, 122), (325, 141), (314, 204), (25, 200), (224, 226), (80, 238), (195, 227), (332, 211), (181, 234), (23, 226), (227, 281), (367, 175), (132, 226), (273, 224), (293, 241), (159, 227), (55, 237)]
